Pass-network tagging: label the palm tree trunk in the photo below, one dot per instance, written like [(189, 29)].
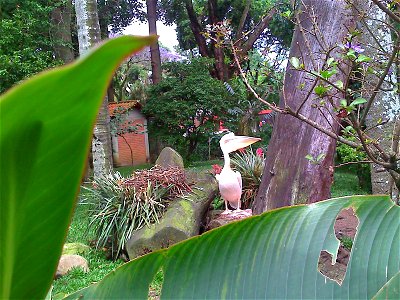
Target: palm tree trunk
[(88, 35), (154, 48)]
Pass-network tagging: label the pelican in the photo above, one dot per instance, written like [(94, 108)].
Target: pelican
[(229, 181)]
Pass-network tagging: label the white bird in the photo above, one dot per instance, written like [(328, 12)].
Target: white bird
[(229, 181)]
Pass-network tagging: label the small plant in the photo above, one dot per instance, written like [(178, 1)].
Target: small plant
[(218, 203), (251, 166), (118, 209), (347, 242)]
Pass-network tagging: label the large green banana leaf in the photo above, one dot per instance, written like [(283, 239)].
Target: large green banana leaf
[(45, 131), (272, 256)]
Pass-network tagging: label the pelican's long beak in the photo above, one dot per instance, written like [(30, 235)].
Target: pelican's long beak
[(240, 141)]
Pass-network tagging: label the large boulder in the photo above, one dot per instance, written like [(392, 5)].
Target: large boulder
[(183, 219), (70, 261), (169, 158)]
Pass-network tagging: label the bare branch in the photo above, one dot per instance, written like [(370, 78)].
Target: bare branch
[(355, 163), (378, 85), (258, 29), (383, 6), (239, 32)]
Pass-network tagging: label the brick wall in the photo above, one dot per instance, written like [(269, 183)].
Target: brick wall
[(130, 148), (137, 143)]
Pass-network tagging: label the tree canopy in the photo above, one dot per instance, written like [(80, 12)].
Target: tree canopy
[(211, 23), (186, 106), (25, 45)]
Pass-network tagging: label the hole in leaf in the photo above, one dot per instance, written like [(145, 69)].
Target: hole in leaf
[(345, 227), (156, 286)]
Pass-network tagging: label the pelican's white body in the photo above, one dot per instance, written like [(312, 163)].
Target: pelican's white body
[(229, 181), (230, 186)]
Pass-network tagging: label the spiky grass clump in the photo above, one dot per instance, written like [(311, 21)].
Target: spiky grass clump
[(251, 166), (117, 209)]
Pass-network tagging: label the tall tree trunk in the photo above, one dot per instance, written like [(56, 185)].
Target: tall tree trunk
[(154, 48), (61, 31), (376, 38), (218, 50), (88, 35), (289, 178)]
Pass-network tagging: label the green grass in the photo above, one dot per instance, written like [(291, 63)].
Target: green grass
[(128, 170), (346, 184), (75, 280), (204, 165), (99, 266)]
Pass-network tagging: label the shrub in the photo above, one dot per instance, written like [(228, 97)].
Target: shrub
[(347, 154), (186, 107), (118, 209), (251, 166)]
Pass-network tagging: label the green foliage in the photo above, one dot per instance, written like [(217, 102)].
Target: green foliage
[(44, 140), (118, 14), (355, 156), (25, 45), (118, 209), (279, 32), (345, 184), (183, 108), (251, 166), (218, 203), (38, 187), (347, 242), (271, 256)]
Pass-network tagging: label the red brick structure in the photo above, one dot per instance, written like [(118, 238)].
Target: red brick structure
[(129, 148)]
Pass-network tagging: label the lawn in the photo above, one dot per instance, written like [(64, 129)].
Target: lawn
[(345, 183)]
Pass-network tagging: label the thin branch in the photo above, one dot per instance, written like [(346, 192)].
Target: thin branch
[(307, 96), (289, 111), (306, 41), (378, 85), (355, 163), (360, 134), (396, 136), (383, 6), (249, 87)]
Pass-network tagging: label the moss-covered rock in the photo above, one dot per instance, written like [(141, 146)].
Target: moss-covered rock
[(75, 248), (182, 220)]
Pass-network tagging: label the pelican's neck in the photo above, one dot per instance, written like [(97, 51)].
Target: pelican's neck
[(227, 160)]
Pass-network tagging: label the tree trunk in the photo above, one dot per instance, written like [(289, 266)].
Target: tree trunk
[(89, 35), (386, 104), (61, 32), (154, 48), (289, 178)]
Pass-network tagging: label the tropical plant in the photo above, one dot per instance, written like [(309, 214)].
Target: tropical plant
[(274, 255), (118, 209), (251, 166)]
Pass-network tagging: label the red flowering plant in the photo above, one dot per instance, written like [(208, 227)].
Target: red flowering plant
[(251, 166)]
